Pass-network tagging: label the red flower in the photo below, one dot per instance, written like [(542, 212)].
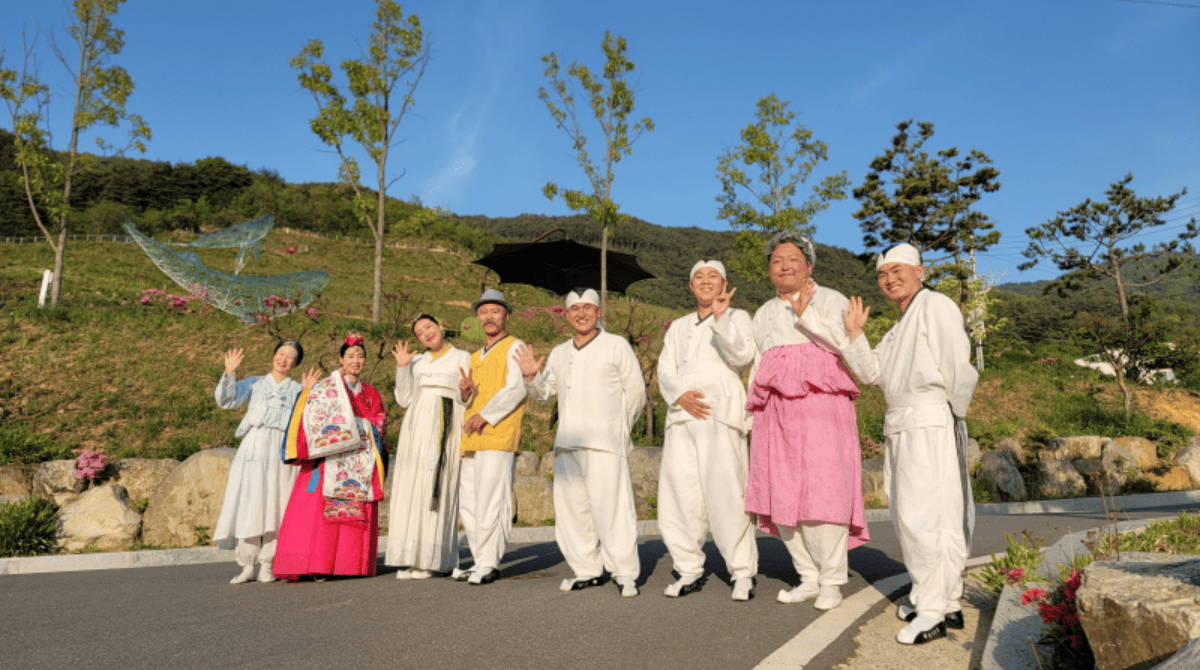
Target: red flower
[(1032, 595)]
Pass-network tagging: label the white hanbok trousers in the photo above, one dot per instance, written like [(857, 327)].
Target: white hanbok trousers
[(485, 504), (595, 520), (924, 484), (818, 552), (702, 489), (256, 495)]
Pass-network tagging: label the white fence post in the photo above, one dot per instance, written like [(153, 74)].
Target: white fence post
[(47, 277)]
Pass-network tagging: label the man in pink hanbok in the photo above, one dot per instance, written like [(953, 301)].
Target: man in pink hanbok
[(805, 460)]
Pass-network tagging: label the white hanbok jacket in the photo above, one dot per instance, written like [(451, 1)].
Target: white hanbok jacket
[(708, 355), (600, 392)]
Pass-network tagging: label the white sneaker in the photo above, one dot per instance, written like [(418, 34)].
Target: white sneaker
[(404, 573), (246, 575), (265, 574), (629, 588), (460, 575), (922, 629), (828, 598), (682, 587), (798, 594), (905, 613), (421, 574), (743, 589)]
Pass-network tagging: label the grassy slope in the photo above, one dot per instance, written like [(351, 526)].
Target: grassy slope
[(109, 371)]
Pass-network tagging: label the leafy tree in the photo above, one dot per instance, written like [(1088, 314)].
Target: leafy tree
[(611, 100), (100, 93), (1094, 241), (393, 65), (929, 203), (783, 157)]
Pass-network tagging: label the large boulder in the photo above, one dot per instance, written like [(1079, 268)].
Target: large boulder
[(16, 480), (974, 454), (1057, 479), (1172, 477), (535, 498), (1194, 441), (1012, 447), (872, 480), (1144, 452), (1188, 458), (644, 466), (1101, 481), (1072, 448), (101, 517), (1117, 458), (141, 477), (56, 480), (546, 465), (1007, 485), (188, 499), (1145, 601), (526, 464)]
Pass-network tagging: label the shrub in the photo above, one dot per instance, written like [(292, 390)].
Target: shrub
[(1018, 565), (19, 444), (27, 527)]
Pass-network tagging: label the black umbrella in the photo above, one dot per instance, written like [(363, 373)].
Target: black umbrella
[(561, 266)]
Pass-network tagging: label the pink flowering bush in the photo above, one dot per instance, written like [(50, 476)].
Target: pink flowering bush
[(179, 303), (554, 317), (90, 463)]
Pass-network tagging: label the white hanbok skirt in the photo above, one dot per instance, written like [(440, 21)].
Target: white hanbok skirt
[(258, 489), (422, 534)]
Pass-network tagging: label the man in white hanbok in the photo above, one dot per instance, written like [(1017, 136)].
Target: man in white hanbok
[(923, 366), (600, 391), (702, 482)]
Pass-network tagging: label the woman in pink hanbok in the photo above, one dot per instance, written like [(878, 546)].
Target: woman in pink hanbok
[(331, 526)]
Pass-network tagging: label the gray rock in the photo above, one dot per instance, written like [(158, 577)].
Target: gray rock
[(527, 464), (1012, 447), (1194, 441), (16, 480), (1117, 458), (1007, 485), (56, 480), (1189, 459), (546, 465), (1100, 480), (644, 466), (1057, 479), (1146, 602), (1071, 448), (1187, 658), (535, 498), (1144, 452), (974, 454), (100, 516), (142, 476), (190, 497), (872, 480)]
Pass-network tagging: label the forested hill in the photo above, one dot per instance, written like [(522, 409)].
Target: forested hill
[(1183, 284)]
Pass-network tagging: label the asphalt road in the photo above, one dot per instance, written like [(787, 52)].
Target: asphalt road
[(191, 617)]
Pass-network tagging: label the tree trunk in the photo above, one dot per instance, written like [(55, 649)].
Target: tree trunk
[(603, 275), (59, 254), (649, 412)]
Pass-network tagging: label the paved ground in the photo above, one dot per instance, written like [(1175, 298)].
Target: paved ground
[(190, 617)]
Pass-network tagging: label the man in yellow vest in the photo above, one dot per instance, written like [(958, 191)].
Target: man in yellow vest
[(491, 435)]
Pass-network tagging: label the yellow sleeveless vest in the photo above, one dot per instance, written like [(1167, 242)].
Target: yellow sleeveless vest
[(489, 374)]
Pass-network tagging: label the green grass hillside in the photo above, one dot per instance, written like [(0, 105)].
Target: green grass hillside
[(106, 370)]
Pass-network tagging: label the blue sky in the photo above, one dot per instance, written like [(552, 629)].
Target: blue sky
[(1066, 97)]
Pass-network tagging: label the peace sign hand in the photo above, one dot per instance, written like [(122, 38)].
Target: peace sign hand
[(466, 385), (721, 302), (801, 298), (403, 355)]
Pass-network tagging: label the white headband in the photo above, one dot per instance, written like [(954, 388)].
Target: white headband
[(904, 254), (589, 297), (716, 265)]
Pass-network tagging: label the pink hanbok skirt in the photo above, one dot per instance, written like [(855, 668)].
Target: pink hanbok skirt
[(805, 458), (310, 545)]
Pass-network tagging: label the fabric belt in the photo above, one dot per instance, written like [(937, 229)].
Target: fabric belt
[(917, 399)]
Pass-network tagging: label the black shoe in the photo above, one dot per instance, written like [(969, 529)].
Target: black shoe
[(694, 587), (954, 620), (938, 631), (582, 584)]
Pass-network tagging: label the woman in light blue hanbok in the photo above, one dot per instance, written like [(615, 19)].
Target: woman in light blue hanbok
[(259, 484)]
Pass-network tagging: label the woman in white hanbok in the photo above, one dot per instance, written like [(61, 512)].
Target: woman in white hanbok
[(423, 517), (259, 484)]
